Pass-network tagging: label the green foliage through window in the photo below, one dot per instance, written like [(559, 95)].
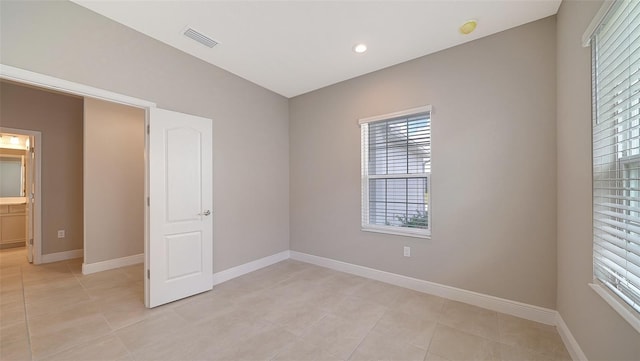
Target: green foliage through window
[(418, 220)]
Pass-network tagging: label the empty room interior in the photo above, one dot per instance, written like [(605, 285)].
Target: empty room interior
[(320, 180)]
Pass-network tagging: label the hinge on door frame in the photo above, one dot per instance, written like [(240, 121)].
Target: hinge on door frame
[(148, 128), (148, 202), (31, 242), (148, 274)]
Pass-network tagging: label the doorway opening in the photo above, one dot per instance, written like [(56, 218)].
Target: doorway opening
[(177, 146), (83, 141), (20, 213)]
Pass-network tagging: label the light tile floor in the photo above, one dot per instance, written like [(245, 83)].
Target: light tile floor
[(288, 311)]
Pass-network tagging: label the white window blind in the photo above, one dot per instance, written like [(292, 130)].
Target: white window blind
[(396, 171), (616, 152)]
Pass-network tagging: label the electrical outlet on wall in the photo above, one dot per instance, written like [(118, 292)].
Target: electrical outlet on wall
[(61, 233), (407, 251)]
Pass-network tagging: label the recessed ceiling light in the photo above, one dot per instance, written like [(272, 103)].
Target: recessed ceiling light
[(468, 27), (360, 48)]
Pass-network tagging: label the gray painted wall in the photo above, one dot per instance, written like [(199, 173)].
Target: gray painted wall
[(59, 118), (113, 181), (600, 331), (493, 166), (250, 123)]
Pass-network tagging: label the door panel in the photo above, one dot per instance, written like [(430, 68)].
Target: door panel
[(184, 163), (185, 257), (180, 249)]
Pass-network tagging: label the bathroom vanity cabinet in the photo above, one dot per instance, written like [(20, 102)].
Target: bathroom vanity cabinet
[(12, 225)]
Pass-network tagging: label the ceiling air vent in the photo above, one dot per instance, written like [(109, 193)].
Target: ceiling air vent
[(199, 37)]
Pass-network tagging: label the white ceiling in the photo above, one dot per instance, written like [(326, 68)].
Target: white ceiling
[(293, 47)]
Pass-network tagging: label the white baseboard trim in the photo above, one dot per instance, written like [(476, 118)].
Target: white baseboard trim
[(569, 341), (61, 256), (514, 308), (243, 269), (88, 268)]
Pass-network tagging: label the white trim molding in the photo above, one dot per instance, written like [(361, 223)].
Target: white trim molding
[(514, 308), (569, 341), (595, 22), (233, 272), (61, 256), (612, 300), (48, 82), (402, 113), (89, 268)]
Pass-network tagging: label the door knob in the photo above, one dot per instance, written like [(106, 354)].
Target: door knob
[(206, 213)]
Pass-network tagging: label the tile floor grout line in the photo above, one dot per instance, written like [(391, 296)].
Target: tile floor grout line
[(368, 333), (502, 343), (437, 322), (84, 289), (325, 313), (26, 318), (65, 349), (107, 321), (301, 337), (90, 299), (129, 352)]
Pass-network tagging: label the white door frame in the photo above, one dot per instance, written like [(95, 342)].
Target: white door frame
[(37, 214), (48, 82)]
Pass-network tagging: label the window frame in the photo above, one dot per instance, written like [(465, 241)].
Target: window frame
[(365, 177), (622, 161)]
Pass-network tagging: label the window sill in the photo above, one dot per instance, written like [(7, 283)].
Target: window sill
[(396, 233), (622, 309)]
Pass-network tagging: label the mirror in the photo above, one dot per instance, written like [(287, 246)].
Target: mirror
[(12, 182)]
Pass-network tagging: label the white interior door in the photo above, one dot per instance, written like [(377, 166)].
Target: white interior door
[(179, 255)]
